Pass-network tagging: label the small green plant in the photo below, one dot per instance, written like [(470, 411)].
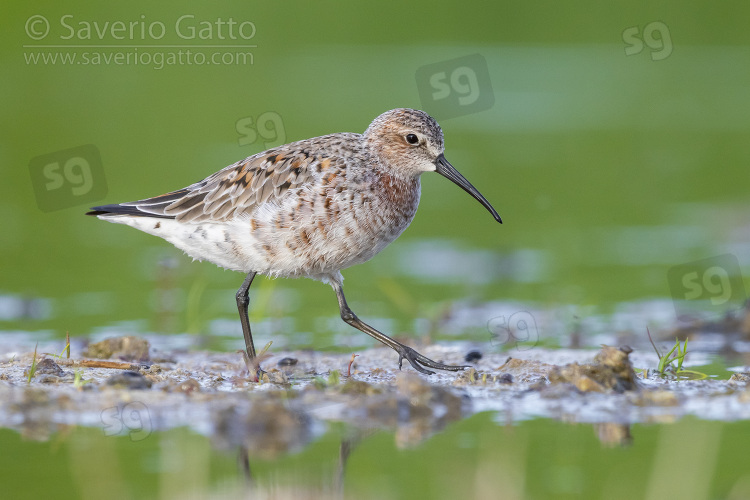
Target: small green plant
[(257, 360), (667, 362), (265, 349), (59, 356), (78, 381), (334, 378), (319, 383), (32, 370)]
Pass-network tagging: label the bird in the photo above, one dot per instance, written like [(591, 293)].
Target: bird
[(310, 208)]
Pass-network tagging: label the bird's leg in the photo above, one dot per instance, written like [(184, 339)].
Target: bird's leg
[(412, 356), (243, 299)]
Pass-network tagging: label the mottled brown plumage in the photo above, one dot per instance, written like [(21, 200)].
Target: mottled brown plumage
[(310, 208)]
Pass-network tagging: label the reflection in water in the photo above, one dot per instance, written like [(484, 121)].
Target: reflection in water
[(613, 434), (271, 428), (423, 409), (473, 459), (35, 412), (345, 450), (268, 429), (333, 484)]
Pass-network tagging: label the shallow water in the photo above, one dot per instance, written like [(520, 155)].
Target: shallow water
[(472, 458), (620, 175), (203, 428)]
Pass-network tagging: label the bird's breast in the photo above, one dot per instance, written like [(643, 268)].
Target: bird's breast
[(342, 223), (397, 200)]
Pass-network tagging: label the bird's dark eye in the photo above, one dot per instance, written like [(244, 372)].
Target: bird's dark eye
[(412, 139)]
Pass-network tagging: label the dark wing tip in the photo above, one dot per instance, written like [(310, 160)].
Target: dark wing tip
[(124, 210)]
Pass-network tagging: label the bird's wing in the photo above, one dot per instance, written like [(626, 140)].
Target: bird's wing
[(234, 190)]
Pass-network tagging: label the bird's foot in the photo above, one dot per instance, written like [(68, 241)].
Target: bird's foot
[(416, 359), (259, 374), (253, 366)]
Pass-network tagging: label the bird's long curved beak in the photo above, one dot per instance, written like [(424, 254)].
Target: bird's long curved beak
[(444, 168)]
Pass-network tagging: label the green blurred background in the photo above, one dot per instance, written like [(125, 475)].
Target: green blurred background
[(614, 147), (608, 169)]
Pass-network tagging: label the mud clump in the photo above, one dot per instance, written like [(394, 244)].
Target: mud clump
[(359, 388), (287, 362), (474, 377), (610, 371), (127, 348), (129, 380), (416, 398), (473, 356), (274, 376), (49, 372), (740, 377), (49, 367), (524, 370), (188, 386)]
